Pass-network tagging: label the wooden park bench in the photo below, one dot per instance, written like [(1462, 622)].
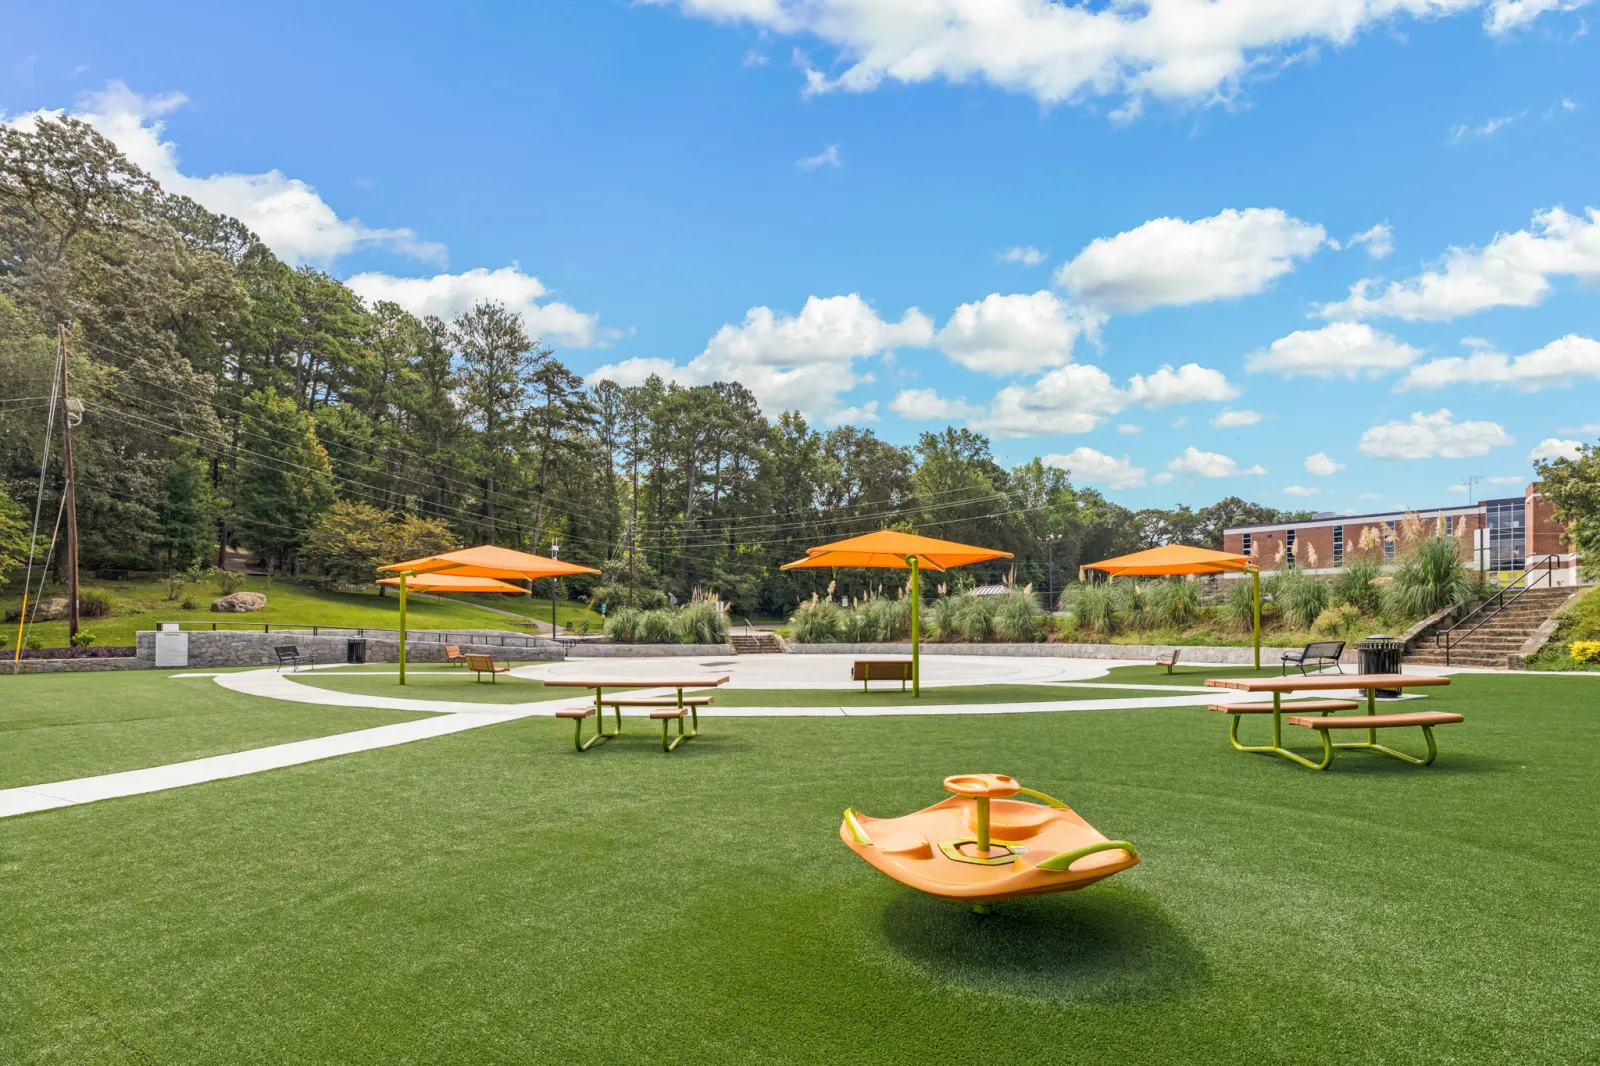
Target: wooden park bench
[(452, 654), (1168, 660), (864, 670), (288, 655), (485, 664), (1318, 651)]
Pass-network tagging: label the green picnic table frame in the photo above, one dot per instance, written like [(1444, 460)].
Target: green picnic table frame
[(600, 685), (1368, 683)]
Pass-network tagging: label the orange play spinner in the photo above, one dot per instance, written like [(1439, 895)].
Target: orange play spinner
[(981, 845)]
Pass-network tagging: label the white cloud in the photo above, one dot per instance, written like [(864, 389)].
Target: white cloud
[(1013, 334), (1170, 261), (1301, 490), (1509, 479), (1234, 419), (447, 295), (802, 361), (286, 213), (1378, 241), (926, 405), (1127, 429), (1556, 448), (1513, 270), (1435, 436), (828, 157), (1209, 464), (1561, 362), (1098, 468), (1322, 465), (1341, 349), (1173, 50), (859, 415), (1489, 128), (753, 58), (1370, 496), (1027, 256), (1187, 384), (1507, 15), (1462, 489), (1587, 429), (636, 371)]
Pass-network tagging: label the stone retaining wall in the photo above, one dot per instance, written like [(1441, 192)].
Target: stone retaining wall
[(1215, 655), (246, 648), (642, 651), (73, 666)]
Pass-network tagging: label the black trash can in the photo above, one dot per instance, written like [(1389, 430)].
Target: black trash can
[(355, 651), (1382, 654)]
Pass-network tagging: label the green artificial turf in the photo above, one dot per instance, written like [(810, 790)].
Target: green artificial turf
[(1191, 674), (456, 684), (59, 726), (893, 697), (494, 897)]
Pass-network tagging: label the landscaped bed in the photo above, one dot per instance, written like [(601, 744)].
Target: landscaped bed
[(492, 896)]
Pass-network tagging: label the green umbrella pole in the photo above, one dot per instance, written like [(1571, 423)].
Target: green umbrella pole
[(402, 629), (916, 634), (1255, 580)]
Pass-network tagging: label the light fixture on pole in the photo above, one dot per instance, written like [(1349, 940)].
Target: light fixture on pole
[(554, 548)]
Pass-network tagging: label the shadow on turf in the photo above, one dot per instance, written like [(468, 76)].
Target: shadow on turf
[(1097, 946)]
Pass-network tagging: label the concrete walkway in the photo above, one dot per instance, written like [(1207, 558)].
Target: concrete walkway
[(451, 716)]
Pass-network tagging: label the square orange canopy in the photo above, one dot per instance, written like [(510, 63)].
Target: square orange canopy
[(1171, 559), (453, 583), (889, 549), (489, 560)]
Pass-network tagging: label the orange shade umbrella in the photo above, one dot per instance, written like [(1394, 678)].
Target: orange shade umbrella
[(889, 549), (489, 560), (1179, 559), (453, 583)]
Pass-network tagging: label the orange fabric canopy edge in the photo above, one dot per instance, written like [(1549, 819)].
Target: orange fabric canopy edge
[(489, 560), (1172, 559), (453, 583), (889, 549)]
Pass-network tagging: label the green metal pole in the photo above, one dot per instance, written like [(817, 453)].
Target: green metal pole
[(1255, 579), (402, 629), (916, 632)]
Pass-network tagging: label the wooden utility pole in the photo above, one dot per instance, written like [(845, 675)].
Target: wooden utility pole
[(72, 494)]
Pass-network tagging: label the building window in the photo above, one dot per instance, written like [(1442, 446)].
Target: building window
[(1450, 525), (1507, 534), (1246, 546), (1388, 543), (1338, 546), (1289, 548)]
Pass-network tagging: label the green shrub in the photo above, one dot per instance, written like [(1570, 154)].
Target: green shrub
[(1240, 606), (1354, 586), (816, 622), (189, 604), (1131, 599), (93, 603), (1019, 618), (82, 640), (1094, 610), (1177, 602), (657, 627), (622, 625), (1065, 627), (229, 581), (944, 618), (1336, 620), (1585, 651), (33, 643), (1301, 598), (1433, 578), (703, 622)]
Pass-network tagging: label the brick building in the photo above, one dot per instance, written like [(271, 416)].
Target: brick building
[(1503, 536)]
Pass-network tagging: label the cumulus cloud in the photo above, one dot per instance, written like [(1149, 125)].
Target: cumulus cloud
[(1128, 429), (1512, 270), (1378, 241), (447, 295), (1435, 436), (1027, 256), (1013, 334), (1561, 362), (1176, 51), (286, 213), (1077, 398), (1342, 349), (1170, 261), (802, 361), (1321, 465), (1098, 468), (926, 405), (1227, 419), (1556, 448), (1301, 490), (1195, 462), (637, 371), (861, 414), (828, 157)]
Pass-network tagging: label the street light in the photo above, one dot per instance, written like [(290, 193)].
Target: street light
[(554, 548)]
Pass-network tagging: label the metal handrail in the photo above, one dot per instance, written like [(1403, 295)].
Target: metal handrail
[(1501, 603)]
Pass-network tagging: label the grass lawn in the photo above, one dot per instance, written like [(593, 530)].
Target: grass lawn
[(567, 611), (494, 897), (893, 697), (450, 683), (140, 604), (59, 726)]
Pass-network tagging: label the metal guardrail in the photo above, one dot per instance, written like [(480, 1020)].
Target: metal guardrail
[(427, 636), (1446, 639)]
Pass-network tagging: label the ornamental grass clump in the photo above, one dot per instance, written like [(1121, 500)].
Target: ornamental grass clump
[(1093, 610), (1019, 618), (1300, 598), (1133, 602), (657, 627), (944, 618), (1354, 586), (975, 617), (1240, 606), (1336, 620), (1432, 578), (702, 621), (1176, 602), (622, 627), (816, 621)]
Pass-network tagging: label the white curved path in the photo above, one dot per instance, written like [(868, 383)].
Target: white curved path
[(750, 672)]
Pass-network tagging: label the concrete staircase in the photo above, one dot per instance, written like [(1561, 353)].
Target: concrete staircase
[(1500, 636), (756, 643)]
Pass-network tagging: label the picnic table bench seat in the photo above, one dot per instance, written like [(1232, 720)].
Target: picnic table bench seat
[(1325, 706), (864, 670), (1375, 721), (664, 708)]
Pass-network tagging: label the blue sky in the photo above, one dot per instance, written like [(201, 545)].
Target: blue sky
[(817, 197)]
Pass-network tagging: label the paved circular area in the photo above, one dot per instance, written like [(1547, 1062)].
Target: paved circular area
[(827, 671)]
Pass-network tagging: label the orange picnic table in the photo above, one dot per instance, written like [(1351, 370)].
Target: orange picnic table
[(1326, 721)]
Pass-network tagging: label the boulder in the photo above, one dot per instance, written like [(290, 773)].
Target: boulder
[(52, 610), (240, 602)]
